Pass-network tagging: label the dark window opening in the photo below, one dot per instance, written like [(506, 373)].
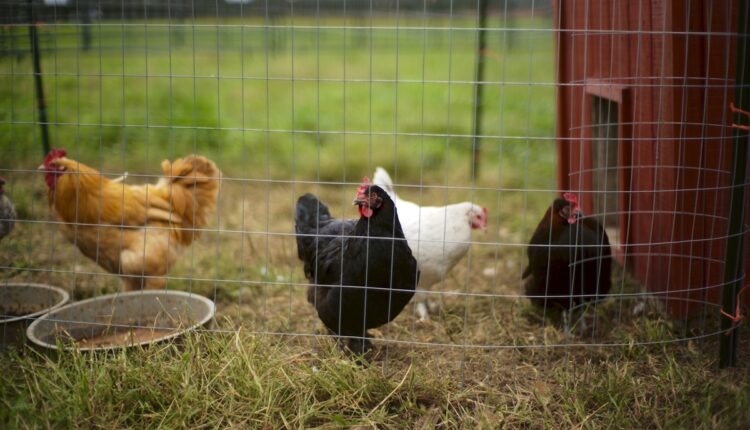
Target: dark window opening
[(605, 160)]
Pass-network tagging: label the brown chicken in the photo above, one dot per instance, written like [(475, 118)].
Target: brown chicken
[(570, 261), (133, 231)]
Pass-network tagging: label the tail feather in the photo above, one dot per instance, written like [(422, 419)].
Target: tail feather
[(192, 189), (191, 170), (309, 212), (382, 179)]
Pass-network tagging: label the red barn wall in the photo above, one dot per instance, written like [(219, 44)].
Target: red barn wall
[(670, 68)]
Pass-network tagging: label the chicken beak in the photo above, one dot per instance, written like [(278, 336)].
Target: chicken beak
[(481, 222), (359, 201), (41, 167)]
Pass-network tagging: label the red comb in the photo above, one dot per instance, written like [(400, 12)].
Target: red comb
[(365, 184), (572, 198), (55, 153)]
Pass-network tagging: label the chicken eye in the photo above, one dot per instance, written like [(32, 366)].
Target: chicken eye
[(565, 212), (375, 200)]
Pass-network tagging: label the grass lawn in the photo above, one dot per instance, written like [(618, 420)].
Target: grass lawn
[(317, 113)]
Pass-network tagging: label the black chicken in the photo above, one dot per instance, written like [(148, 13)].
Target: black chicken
[(569, 258), (7, 212), (341, 257)]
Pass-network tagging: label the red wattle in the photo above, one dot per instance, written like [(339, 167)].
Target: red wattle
[(365, 211), (51, 179)]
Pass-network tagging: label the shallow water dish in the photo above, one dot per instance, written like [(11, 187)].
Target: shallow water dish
[(22, 303), (122, 320)]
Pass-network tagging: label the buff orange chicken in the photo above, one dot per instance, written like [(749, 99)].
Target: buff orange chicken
[(135, 231)]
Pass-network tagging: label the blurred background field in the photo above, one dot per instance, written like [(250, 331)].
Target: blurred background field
[(324, 101)]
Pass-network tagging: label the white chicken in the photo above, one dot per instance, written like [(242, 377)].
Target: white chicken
[(439, 237)]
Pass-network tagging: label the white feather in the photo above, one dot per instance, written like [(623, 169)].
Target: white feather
[(439, 236)]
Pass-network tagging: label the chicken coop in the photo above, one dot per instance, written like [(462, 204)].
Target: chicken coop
[(644, 132)]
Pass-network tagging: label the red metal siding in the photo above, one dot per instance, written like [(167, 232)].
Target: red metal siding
[(671, 68)]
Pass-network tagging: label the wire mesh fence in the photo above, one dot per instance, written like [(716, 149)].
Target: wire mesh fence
[(503, 105)]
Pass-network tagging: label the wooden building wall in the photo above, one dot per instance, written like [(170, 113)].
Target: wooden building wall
[(669, 71)]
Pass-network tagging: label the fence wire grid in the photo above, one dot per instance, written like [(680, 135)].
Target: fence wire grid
[(502, 104)]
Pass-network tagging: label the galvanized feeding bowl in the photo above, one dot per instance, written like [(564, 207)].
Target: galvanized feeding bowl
[(122, 320), (20, 304)]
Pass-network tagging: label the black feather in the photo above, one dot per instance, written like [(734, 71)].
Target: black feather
[(569, 264), (362, 271)]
